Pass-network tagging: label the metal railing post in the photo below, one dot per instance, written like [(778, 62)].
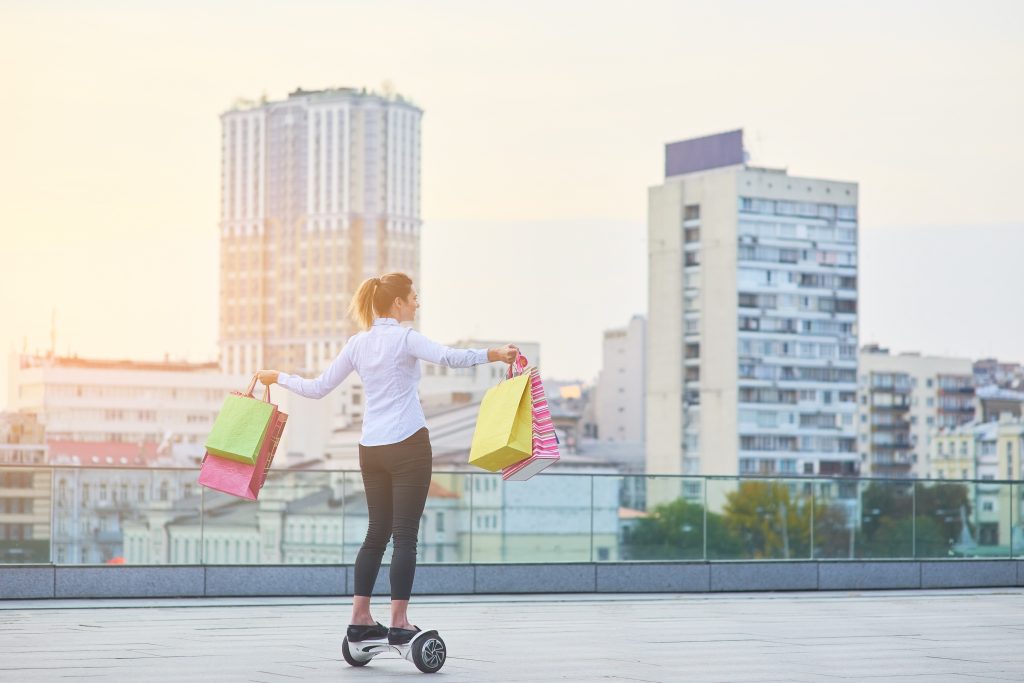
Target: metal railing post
[(812, 520), (344, 502), (913, 519), (472, 531), (705, 518), (591, 517), (202, 526)]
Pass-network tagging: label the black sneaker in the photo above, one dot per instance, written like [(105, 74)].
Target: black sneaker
[(358, 633), (401, 636)]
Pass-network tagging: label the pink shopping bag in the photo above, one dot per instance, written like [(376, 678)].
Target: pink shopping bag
[(545, 442), (237, 478)]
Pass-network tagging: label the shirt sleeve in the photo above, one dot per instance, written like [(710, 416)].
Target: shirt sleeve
[(426, 349), (340, 368)]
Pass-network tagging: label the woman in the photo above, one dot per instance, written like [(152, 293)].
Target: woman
[(394, 451)]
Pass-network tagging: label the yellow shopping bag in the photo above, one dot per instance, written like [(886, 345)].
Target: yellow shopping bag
[(504, 427)]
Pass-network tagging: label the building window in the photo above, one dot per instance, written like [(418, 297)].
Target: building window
[(440, 521), (691, 212)]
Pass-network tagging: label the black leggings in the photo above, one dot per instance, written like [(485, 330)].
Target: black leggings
[(396, 478)]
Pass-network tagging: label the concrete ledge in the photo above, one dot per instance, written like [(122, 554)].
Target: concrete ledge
[(968, 573), (535, 578), (653, 578), (440, 579), (764, 576), (260, 580), (130, 582), (431, 579), (841, 575), (26, 583)]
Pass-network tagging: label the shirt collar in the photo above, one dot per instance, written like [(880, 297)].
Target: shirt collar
[(385, 321)]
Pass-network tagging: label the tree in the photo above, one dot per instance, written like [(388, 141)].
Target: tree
[(675, 531), (938, 511), (769, 522)]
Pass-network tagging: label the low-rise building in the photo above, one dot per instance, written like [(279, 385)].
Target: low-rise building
[(25, 491), (122, 401), (901, 399), (984, 452)]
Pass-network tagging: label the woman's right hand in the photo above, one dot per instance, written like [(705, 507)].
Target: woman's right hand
[(505, 354)]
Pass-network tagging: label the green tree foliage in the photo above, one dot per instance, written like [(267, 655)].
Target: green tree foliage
[(675, 531), (940, 511), (772, 520)]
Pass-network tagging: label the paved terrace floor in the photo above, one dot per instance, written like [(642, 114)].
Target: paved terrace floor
[(964, 635)]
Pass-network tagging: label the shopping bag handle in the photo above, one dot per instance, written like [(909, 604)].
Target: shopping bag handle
[(252, 387), (517, 367)]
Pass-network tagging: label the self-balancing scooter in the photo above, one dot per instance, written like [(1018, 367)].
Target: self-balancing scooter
[(426, 650)]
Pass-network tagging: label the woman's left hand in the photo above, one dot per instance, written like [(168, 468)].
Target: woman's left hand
[(268, 377)]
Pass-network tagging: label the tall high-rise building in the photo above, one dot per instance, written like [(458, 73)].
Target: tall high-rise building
[(319, 191), (752, 325)]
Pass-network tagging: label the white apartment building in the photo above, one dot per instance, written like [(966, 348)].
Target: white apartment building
[(752, 325), (902, 399), (619, 396), (167, 406)]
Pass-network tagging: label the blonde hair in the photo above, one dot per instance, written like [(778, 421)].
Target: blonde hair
[(375, 296)]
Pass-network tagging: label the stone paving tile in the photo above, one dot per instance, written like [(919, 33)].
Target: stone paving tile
[(962, 635)]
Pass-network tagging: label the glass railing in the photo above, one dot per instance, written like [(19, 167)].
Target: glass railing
[(65, 515)]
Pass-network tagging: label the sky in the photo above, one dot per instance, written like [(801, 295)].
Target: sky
[(544, 125)]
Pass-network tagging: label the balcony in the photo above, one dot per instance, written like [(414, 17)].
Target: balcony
[(895, 425)]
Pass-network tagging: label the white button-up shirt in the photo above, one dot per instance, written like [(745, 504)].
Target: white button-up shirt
[(387, 358)]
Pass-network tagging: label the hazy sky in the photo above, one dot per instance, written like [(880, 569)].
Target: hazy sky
[(545, 124)]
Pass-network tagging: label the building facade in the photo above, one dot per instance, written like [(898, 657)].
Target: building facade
[(985, 452), (319, 191), (168, 406), (25, 491), (752, 327), (619, 394), (902, 399)]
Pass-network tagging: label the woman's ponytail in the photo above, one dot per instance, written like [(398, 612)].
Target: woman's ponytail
[(361, 308), (375, 295)]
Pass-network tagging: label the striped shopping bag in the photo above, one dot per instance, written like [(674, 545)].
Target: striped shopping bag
[(545, 441)]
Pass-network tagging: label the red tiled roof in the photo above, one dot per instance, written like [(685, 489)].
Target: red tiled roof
[(438, 491), (97, 453)]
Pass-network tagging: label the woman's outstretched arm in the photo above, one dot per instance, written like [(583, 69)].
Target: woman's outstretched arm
[(329, 379)]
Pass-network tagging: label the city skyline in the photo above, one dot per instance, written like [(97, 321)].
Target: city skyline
[(121, 237)]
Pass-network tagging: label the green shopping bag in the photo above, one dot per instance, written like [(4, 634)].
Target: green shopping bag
[(241, 426), (504, 427)]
